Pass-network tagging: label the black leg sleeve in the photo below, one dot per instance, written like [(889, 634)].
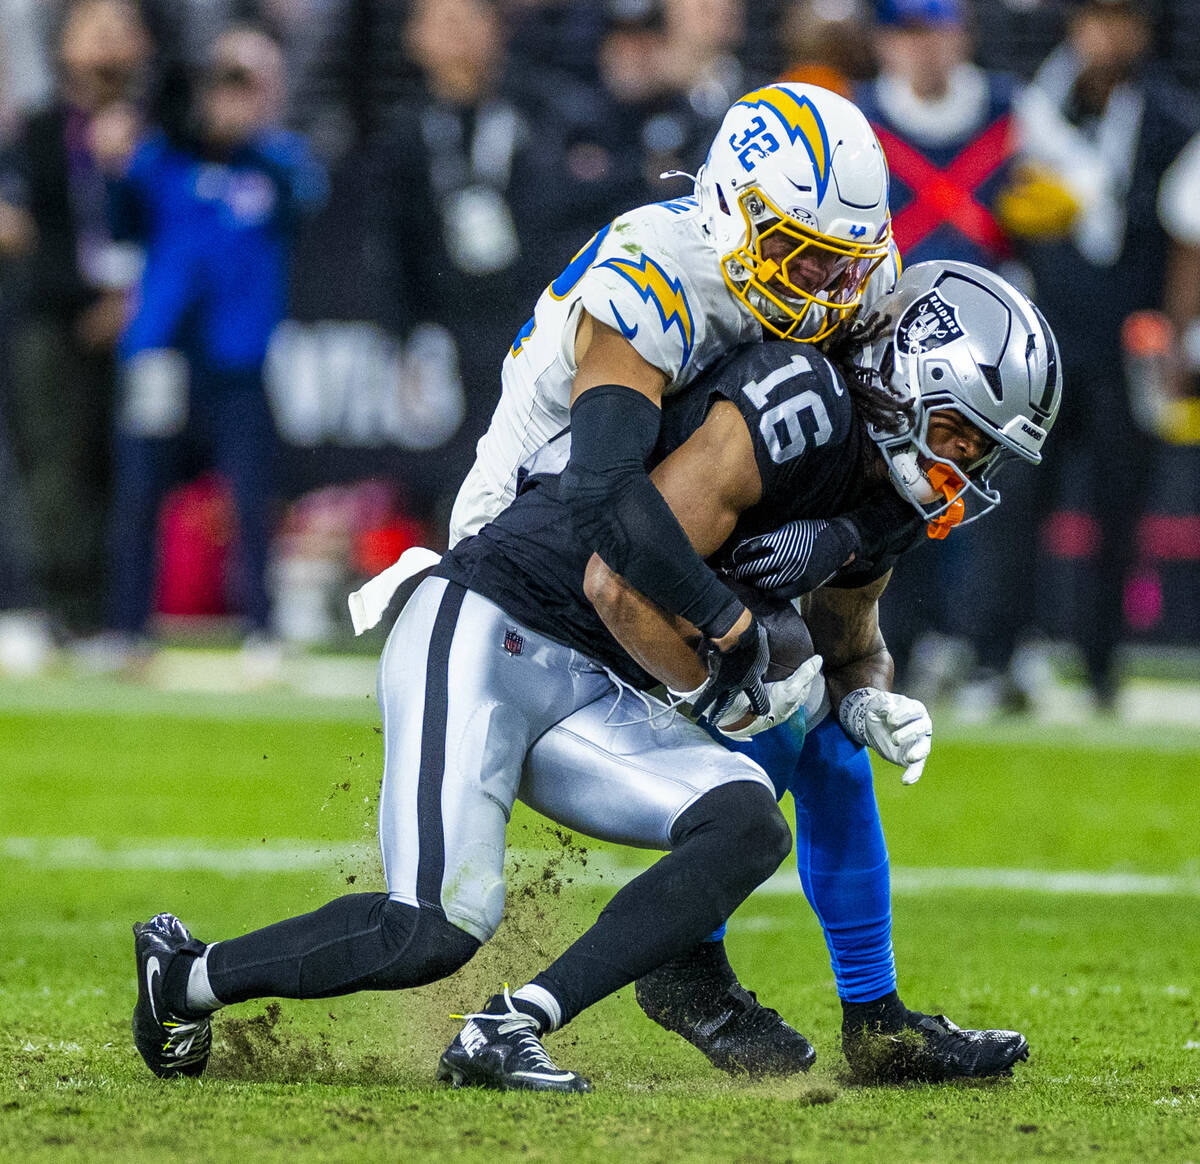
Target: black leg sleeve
[(726, 845), (363, 941)]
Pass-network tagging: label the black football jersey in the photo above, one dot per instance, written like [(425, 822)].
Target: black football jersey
[(811, 448), (813, 454), (813, 451)]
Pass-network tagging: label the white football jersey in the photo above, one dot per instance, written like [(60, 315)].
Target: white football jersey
[(653, 276)]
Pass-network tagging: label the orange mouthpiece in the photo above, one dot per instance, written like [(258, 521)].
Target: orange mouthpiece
[(950, 484)]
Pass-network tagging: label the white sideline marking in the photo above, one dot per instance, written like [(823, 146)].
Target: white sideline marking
[(297, 856)]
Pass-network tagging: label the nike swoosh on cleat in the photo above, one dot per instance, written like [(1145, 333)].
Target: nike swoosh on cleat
[(153, 969), (713, 1024)]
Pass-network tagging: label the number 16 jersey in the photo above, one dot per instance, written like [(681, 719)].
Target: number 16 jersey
[(813, 454)]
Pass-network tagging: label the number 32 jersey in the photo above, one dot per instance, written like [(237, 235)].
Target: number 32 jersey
[(651, 275)]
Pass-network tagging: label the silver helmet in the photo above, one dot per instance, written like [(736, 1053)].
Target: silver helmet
[(956, 336)]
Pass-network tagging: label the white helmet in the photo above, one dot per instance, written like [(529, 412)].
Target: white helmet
[(956, 336), (800, 163)]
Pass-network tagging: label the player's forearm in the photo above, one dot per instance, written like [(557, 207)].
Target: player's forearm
[(660, 644), (845, 631), (618, 513), (874, 670)]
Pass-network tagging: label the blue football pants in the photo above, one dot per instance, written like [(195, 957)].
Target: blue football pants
[(840, 850)]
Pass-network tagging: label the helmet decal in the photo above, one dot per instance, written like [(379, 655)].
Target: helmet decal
[(963, 340), (928, 323), (655, 286), (793, 198), (803, 123)]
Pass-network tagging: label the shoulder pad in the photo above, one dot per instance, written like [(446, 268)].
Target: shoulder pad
[(637, 286)]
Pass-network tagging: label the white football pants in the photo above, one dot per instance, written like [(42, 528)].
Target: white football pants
[(478, 709)]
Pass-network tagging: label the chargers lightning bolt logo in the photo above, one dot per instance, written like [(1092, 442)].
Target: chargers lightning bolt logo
[(803, 124), (655, 286)]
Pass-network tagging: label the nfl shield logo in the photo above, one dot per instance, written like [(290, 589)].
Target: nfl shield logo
[(513, 642)]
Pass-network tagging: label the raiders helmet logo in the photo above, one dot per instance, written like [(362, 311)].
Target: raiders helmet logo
[(928, 323)]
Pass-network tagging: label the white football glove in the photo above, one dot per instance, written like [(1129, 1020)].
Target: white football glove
[(897, 727), (786, 697)]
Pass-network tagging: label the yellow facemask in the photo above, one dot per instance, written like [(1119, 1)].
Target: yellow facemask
[(773, 289)]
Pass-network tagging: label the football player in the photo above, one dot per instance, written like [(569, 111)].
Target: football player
[(789, 223), (786, 234), (499, 652), (982, 366)]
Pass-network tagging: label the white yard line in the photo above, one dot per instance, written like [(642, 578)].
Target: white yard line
[(297, 856)]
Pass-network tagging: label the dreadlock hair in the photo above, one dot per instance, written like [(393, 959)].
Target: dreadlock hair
[(873, 399)]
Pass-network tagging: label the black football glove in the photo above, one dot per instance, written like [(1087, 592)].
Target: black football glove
[(740, 668), (796, 558), (802, 555)]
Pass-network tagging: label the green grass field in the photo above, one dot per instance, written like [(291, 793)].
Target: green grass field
[(117, 802)]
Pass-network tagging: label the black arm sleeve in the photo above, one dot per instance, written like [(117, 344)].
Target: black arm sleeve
[(619, 514)]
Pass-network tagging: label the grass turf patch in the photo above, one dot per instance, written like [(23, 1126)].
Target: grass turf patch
[(1104, 987)]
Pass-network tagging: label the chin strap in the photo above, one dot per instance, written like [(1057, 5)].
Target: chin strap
[(950, 485)]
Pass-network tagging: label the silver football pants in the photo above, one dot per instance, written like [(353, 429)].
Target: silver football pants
[(478, 708)]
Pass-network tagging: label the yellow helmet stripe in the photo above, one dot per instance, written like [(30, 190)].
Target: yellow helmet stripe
[(803, 123)]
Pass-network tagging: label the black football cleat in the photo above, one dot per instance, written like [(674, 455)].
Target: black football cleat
[(930, 1049), (500, 1049), (170, 1044), (699, 997)]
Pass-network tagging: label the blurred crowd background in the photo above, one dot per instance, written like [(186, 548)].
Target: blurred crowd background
[(260, 263)]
